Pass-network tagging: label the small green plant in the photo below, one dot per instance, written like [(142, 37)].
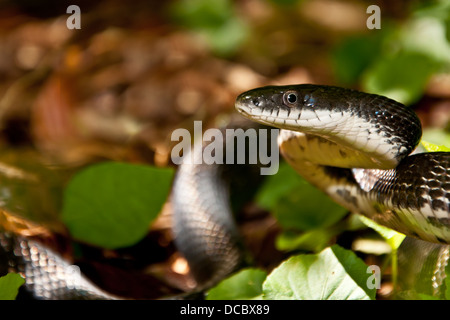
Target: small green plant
[(333, 274)]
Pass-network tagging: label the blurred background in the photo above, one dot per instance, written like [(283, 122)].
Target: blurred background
[(116, 88)]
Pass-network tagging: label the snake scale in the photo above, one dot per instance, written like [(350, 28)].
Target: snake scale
[(354, 146)]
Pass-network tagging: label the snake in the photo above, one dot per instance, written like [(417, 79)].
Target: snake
[(354, 146), (358, 148)]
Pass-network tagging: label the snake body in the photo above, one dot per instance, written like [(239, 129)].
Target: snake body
[(203, 224), (352, 145), (48, 276)]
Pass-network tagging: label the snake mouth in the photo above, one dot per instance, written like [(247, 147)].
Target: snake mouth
[(249, 106), (243, 109), (254, 114)]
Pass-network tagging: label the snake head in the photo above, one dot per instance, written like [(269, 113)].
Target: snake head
[(369, 123), (278, 106)]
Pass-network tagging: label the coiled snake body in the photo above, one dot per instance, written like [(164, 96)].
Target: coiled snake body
[(352, 145)]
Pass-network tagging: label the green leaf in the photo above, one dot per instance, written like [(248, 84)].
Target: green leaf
[(402, 76), (297, 204), (216, 21), (246, 284), (333, 274), (417, 49), (9, 286), (277, 185), (201, 14), (314, 240), (306, 208), (392, 237), (430, 147), (351, 57), (439, 9), (112, 204), (426, 35), (226, 39)]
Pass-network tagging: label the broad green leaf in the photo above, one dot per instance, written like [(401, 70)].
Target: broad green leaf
[(9, 286), (246, 284), (401, 77), (333, 274), (112, 204), (430, 147), (355, 54)]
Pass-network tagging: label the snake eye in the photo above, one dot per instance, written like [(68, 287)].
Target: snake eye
[(290, 98)]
